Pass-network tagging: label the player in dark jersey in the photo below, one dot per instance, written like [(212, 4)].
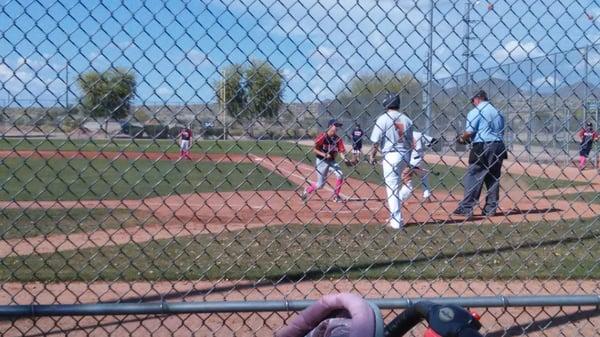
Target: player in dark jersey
[(357, 135), (185, 143), (588, 137), (327, 145)]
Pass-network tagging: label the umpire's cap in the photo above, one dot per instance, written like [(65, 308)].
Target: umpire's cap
[(482, 95), (392, 101)]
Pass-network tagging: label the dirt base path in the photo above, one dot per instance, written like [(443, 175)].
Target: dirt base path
[(193, 214)]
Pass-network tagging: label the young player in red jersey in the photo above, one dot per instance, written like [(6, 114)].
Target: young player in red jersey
[(327, 145)]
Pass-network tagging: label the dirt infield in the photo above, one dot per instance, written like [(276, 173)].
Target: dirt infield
[(192, 214), (197, 213)]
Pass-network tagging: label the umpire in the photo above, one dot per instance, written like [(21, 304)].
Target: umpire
[(485, 130)]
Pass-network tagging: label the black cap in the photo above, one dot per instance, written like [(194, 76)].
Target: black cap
[(482, 95), (392, 101), (334, 122)]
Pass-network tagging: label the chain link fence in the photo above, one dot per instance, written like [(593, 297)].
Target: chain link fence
[(101, 204)]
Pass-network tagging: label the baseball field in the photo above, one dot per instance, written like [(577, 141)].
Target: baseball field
[(131, 211), (129, 221)]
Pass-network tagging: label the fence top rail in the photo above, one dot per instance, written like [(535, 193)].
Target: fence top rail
[(164, 308)]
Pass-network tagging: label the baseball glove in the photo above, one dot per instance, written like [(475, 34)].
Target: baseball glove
[(350, 163), (461, 140)]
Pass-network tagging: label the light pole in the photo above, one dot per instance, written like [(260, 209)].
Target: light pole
[(67, 84), (224, 108), (466, 37), (467, 53), (429, 98)]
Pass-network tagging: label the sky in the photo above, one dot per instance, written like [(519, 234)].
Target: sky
[(177, 48)]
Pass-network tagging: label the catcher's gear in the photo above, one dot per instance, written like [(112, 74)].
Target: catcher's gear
[(350, 162), (392, 101)]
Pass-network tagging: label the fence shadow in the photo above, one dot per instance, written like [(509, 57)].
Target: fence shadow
[(545, 324)]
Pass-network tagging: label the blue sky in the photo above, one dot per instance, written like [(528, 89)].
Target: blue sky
[(176, 48)]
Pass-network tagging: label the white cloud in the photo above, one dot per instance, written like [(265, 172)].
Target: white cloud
[(325, 55), (439, 69), (21, 74), (288, 73), (593, 61), (31, 62), (5, 72), (164, 91), (546, 81), (515, 51), (594, 58), (196, 57), (325, 52), (124, 44)]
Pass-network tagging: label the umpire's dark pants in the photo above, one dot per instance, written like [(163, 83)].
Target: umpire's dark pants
[(485, 166)]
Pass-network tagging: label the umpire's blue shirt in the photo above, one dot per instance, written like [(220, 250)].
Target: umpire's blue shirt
[(486, 123)]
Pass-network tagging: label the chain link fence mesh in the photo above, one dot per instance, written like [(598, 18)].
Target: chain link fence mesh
[(100, 204)]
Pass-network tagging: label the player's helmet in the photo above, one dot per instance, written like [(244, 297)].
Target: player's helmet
[(391, 101)]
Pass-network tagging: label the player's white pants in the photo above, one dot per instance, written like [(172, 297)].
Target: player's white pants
[(185, 145), (394, 164), (323, 167), (419, 169)]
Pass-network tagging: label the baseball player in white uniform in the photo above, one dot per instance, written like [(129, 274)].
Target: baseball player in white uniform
[(393, 134), (417, 166)]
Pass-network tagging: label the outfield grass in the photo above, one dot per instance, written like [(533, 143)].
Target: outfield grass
[(450, 178), (19, 223), (308, 252), (74, 179), (262, 147)]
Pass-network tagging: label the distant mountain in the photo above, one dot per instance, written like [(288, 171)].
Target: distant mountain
[(496, 89), (578, 91)]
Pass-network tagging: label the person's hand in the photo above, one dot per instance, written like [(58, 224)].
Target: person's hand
[(372, 159), (460, 139)]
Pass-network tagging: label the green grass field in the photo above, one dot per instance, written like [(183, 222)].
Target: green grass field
[(449, 179), (74, 179), (19, 223), (263, 147), (57, 179), (307, 252)]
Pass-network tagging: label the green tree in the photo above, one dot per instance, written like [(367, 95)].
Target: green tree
[(264, 90), (230, 90), (362, 98), (107, 94)]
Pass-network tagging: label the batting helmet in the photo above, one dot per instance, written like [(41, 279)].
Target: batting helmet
[(391, 101)]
